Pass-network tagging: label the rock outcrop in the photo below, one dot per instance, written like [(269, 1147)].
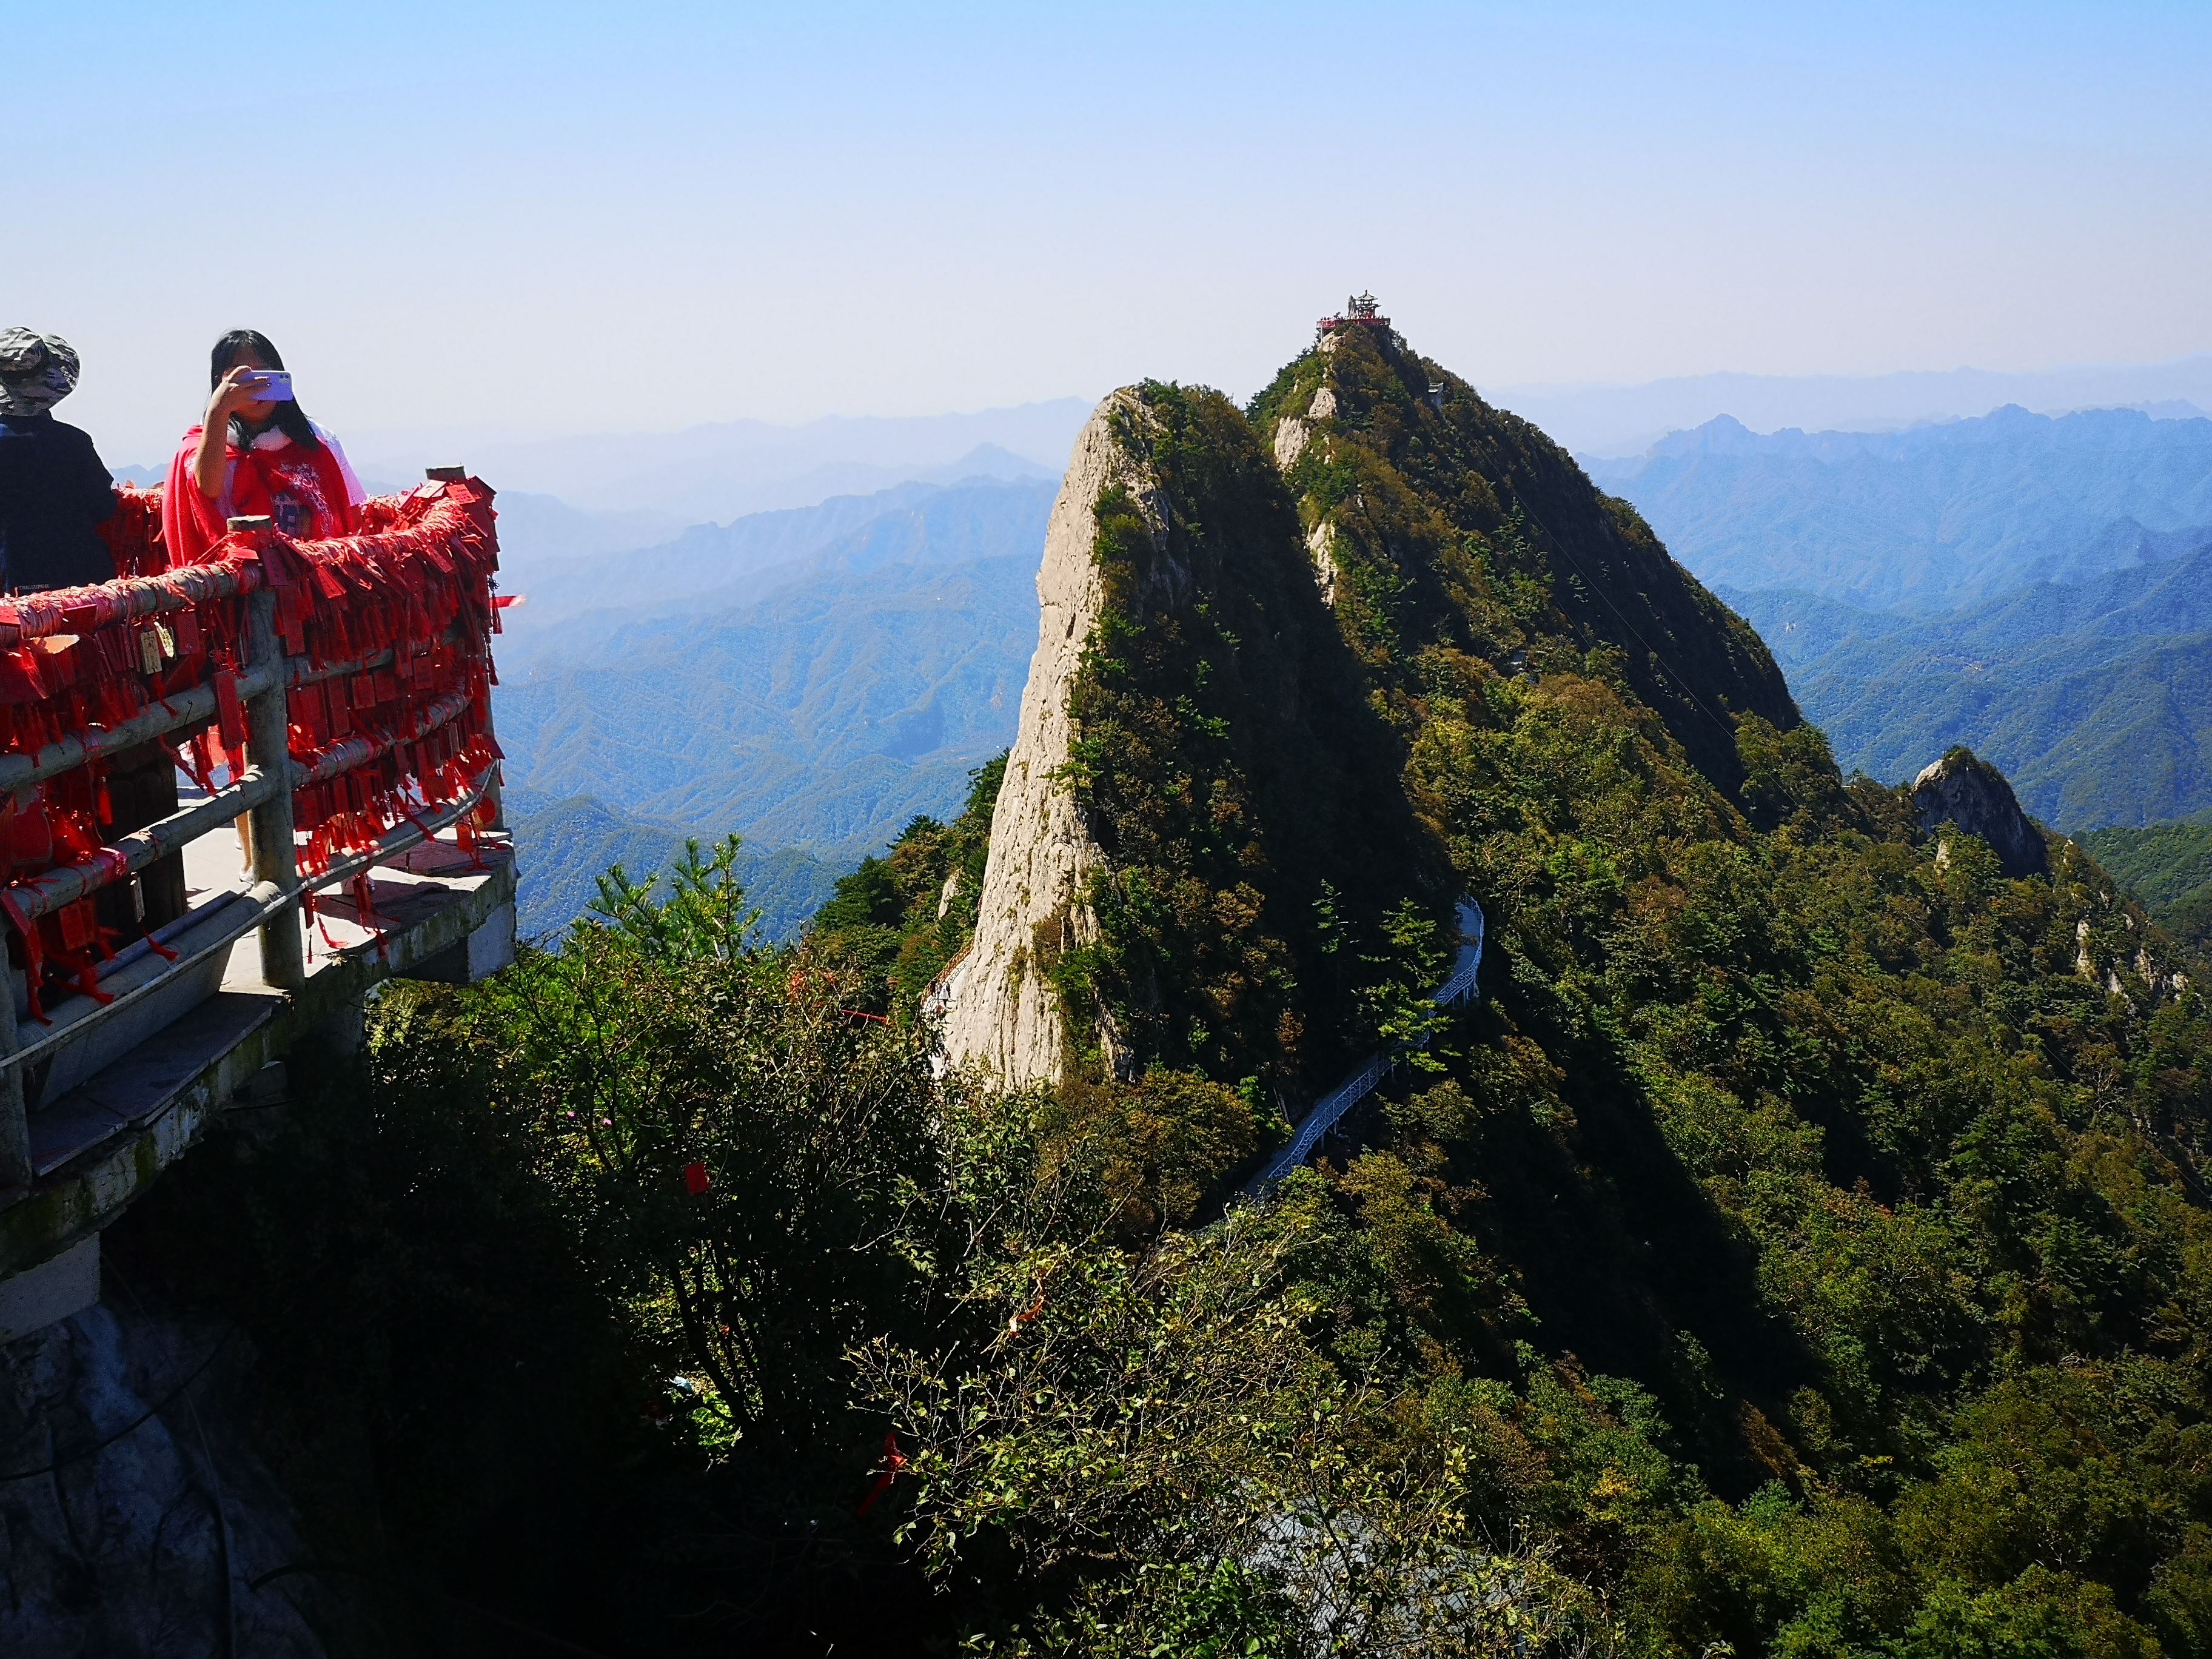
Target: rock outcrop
[(115, 1541), (1966, 790), (1003, 1011), (1200, 807)]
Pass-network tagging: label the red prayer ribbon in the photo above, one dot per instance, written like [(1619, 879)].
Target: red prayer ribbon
[(894, 1461)]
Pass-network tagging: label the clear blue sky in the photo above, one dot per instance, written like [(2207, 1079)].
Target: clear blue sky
[(574, 217)]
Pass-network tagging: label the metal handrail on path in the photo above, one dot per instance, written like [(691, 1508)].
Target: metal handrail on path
[(1329, 1109)]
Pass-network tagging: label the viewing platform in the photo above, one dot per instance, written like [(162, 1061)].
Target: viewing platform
[(334, 697), (1360, 311)]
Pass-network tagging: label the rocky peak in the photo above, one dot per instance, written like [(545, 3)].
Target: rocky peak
[(1202, 807), (1444, 530), (1966, 790), (1003, 1014)]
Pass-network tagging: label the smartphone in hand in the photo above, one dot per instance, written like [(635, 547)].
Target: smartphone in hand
[(269, 385)]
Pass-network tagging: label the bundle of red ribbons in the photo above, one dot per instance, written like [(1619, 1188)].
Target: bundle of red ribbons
[(392, 721)]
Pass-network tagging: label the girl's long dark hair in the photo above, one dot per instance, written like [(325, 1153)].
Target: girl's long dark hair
[(286, 417)]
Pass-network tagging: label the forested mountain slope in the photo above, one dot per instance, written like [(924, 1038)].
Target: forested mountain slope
[(1452, 538), (2169, 867), (1198, 854), (2095, 697), (1802, 1239)]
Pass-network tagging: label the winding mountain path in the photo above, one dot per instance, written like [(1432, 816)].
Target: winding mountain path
[(1331, 1106)]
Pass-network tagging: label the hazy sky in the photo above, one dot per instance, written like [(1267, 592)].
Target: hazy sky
[(641, 216)]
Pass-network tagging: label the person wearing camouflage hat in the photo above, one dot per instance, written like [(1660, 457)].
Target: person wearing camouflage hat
[(54, 489)]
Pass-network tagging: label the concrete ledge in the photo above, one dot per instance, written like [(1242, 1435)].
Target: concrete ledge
[(142, 1112), (477, 957), (53, 1290)]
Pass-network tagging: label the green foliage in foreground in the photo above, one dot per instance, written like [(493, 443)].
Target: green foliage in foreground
[(1110, 1446), (2169, 867), (1799, 1255)]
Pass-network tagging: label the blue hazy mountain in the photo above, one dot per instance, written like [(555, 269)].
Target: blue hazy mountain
[(757, 552), (1620, 420), (724, 470), (1930, 518), (569, 844), (818, 701)]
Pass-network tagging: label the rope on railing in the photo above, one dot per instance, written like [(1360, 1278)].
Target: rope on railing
[(1329, 1109)]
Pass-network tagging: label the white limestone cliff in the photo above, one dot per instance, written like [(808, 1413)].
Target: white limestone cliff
[(1321, 543), (1002, 1013), (1291, 433)]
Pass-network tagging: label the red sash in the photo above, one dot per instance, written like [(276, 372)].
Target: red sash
[(300, 488)]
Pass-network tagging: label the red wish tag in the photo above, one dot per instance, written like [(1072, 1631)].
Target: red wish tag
[(230, 716), (76, 924), (695, 1178), (20, 678)]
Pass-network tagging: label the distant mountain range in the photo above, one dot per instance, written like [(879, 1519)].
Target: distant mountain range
[(811, 679), (569, 844), (2094, 697), (2037, 589), (725, 470), (1930, 518), (1622, 420), (710, 567)]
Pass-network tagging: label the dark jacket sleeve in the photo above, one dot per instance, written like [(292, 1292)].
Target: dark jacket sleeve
[(99, 483)]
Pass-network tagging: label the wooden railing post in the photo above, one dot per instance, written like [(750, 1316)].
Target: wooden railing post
[(268, 744)]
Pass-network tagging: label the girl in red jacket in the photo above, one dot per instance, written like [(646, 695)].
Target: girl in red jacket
[(254, 456)]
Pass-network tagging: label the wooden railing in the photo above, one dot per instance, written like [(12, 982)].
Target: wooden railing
[(249, 663)]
